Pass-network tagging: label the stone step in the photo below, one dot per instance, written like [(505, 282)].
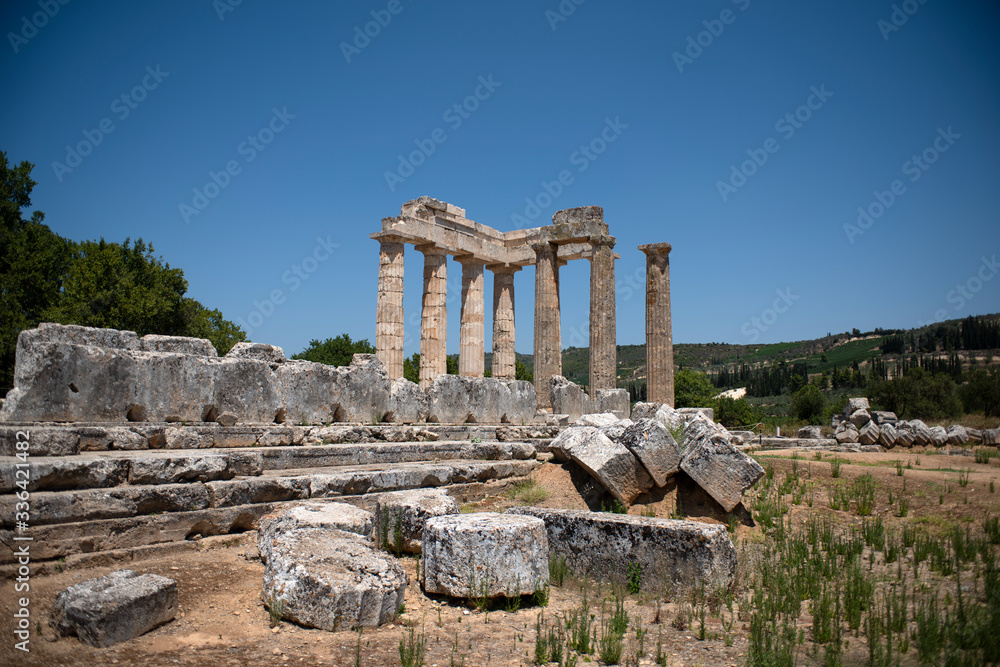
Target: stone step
[(51, 507), (110, 469), (49, 439), (87, 539)]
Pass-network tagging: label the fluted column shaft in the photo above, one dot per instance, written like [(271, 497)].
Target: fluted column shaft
[(659, 336), (389, 323), (504, 358), (434, 315), (548, 344), (603, 353), (472, 335)]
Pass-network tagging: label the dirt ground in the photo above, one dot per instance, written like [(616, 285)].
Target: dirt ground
[(222, 620)]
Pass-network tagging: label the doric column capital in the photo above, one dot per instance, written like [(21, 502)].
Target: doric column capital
[(602, 241), (504, 268), (652, 249), (469, 260), (544, 248), (431, 249)]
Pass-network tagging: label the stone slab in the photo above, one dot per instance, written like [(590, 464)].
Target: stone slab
[(720, 469), (324, 514), (613, 465), (400, 517), (655, 447)]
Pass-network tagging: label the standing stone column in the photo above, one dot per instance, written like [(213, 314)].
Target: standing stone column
[(389, 323), (472, 335), (434, 315), (548, 344), (603, 353), (659, 339), (504, 358)]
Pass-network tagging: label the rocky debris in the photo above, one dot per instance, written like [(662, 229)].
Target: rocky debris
[(860, 417), (855, 404), (990, 437), (656, 449), (882, 417), (667, 552), (716, 466), (484, 555), (810, 433), (846, 433), (868, 434), (269, 354), (904, 438), (611, 464), (957, 435), (597, 420), (975, 435), (569, 438), (322, 514), (400, 517), (114, 608), (617, 430), (332, 580), (570, 399), (689, 413), (643, 410), (887, 435), (939, 436)]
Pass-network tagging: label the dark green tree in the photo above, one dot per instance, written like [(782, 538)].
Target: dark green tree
[(808, 404), (981, 392), (692, 389), (335, 351)]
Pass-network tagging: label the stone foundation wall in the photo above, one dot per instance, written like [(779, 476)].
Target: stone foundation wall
[(569, 398), (80, 374)]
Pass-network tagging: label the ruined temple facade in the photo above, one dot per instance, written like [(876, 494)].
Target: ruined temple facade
[(437, 229)]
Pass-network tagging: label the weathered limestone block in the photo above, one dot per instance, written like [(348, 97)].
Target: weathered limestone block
[(656, 449), (975, 435), (72, 472), (323, 514), (484, 555), (363, 389), (860, 417), (568, 398), (246, 388), (904, 438), (855, 404), (522, 401), (991, 437), (457, 399), (689, 413), (269, 354), (615, 401), (668, 551), (178, 345), (569, 438), (306, 392), (922, 435), (170, 387), (887, 435), (597, 420), (233, 492), (42, 441), (72, 334), (868, 434), (613, 465), (400, 516), (643, 410), (672, 419), (115, 607), (186, 438), (882, 417), (957, 435), (810, 432), (407, 402), (617, 430), (846, 433), (939, 436), (121, 501), (720, 469), (332, 580)]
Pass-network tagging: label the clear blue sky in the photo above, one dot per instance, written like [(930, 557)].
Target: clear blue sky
[(327, 131)]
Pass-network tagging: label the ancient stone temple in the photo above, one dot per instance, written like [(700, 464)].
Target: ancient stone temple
[(438, 230)]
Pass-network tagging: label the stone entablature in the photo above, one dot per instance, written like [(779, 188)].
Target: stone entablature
[(439, 229)]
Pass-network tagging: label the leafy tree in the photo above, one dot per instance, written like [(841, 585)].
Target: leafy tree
[(335, 351), (522, 372), (210, 324), (736, 412), (411, 368), (692, 389), (808, 403), (982, 391), (918, 394)]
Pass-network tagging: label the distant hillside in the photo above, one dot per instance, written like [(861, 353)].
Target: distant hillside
[(838, 352)]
